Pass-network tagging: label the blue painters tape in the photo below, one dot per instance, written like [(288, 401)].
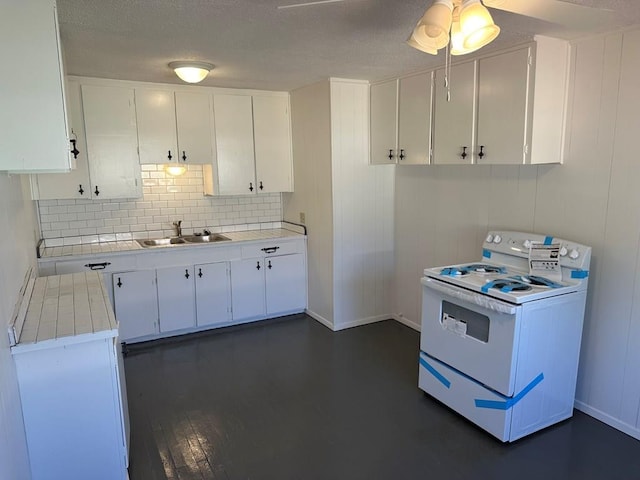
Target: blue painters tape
[(435, 373), (450, 271), (579, 273), (548, 240), (509, 402), (486, 253), (485, 288)]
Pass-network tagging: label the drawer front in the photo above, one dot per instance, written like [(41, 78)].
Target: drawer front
[(268, 249), (101, 264)]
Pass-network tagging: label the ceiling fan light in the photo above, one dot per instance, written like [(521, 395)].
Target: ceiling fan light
[(477, 25), (412, 42), (457, 37), (436, 21), (191, 72)]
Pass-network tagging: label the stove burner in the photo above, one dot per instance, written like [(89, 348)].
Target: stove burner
[(537, 281), (473, 268), (506, 285)]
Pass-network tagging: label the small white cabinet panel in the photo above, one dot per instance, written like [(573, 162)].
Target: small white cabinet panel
[(234, 144), (213, 294), (286, 288), (112, 141), (33, 125), (384, 122), (194, 124), (248, 288), (156, 119), (176, 298), (136, 303), (414, 120)]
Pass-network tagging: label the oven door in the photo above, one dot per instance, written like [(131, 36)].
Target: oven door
[(471, 332)]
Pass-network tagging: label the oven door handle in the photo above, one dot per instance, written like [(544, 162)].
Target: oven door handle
[(467, 296)]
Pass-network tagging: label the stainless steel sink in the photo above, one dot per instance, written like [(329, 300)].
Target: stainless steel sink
[(214, 237), (169, 241)]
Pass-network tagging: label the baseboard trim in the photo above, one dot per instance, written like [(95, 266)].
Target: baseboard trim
[(362, 321), (405, 321), (320, 319), (608, 419)]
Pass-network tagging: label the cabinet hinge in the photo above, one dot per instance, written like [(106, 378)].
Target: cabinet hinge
[(526, 149), (530, 60)]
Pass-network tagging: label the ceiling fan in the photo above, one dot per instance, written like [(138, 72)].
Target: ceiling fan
[(561, 12)]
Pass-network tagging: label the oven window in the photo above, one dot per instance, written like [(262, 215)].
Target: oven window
[(464, 321)]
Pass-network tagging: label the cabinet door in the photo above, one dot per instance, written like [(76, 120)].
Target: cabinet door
[(234, 144), (247, 288), (272, 135), (503, 107), (414, 120), (136, 303), (213, 294), (176, 298), (156, 121), (112, 141), (454, 116), (286, 284), (76, 183), (194, 120), (384, 123), (33, 125)]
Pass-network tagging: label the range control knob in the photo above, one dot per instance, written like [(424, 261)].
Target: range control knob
[(489, 238), (563, 251), (497, 239), (526, 244), (573, 254)]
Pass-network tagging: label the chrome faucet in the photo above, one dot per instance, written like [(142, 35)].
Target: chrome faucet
[(178, 225)]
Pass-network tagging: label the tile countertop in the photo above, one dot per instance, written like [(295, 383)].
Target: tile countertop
[(49, 252)]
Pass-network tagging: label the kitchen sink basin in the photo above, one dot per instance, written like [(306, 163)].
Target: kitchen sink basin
[(214, 237), (169, 241)]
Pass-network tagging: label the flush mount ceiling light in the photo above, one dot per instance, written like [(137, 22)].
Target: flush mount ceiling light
[(467, 24), (190, 71)]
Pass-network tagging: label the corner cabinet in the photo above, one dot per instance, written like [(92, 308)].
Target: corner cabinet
[(400, 128), (253, 146), (135, 298), (33, 125)]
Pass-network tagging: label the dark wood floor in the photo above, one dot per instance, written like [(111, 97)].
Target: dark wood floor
[(289, 399)]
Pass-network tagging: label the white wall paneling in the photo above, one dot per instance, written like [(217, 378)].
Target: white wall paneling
[(442, 214)]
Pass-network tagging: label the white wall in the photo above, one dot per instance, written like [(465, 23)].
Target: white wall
[(348, 205), (443, 214), (17, 254)]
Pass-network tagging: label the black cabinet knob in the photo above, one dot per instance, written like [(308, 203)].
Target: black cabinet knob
[(74, 150), (261, 187), (200, 272), (464, 152), (184, 156), (169, 156), (251, 186), (186, 274), (258, 265), (390, 154), (97, 192), (402, 155), (81, 190), (119, 283), (481, 154)]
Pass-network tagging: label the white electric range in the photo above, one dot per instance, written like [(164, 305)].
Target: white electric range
[(500, 345)]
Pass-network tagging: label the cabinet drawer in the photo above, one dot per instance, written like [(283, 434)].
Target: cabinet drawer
[(102, 264), (268, 249)]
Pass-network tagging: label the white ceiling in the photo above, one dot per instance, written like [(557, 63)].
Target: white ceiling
[(256, 45)]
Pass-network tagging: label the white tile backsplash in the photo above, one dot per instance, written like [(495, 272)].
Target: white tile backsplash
[(165, 200)]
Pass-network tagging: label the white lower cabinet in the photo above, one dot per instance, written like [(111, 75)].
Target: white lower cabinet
[(248, 288), (136, 303), (286, 286), (176, 298), (213, 294)]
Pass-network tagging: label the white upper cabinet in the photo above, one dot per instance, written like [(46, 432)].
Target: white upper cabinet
[(384, 123), (272, 142), (76, 183), (174, 126), (400, 128), (503, 106), (454, 108), (112, 141), (253, 146), (33, 125)]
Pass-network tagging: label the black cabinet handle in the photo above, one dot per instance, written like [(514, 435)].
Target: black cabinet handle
[(258, 265), (119, 283), (481, 154), (269, 265), (200, 272), (74, 150), (97, 192), (251, 186), (169, 156), (186, 273), (261, 187), (97, 266), (81, 190), (402, 154), (464, 152), (184, 156), (269, 249), (390, 154)]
